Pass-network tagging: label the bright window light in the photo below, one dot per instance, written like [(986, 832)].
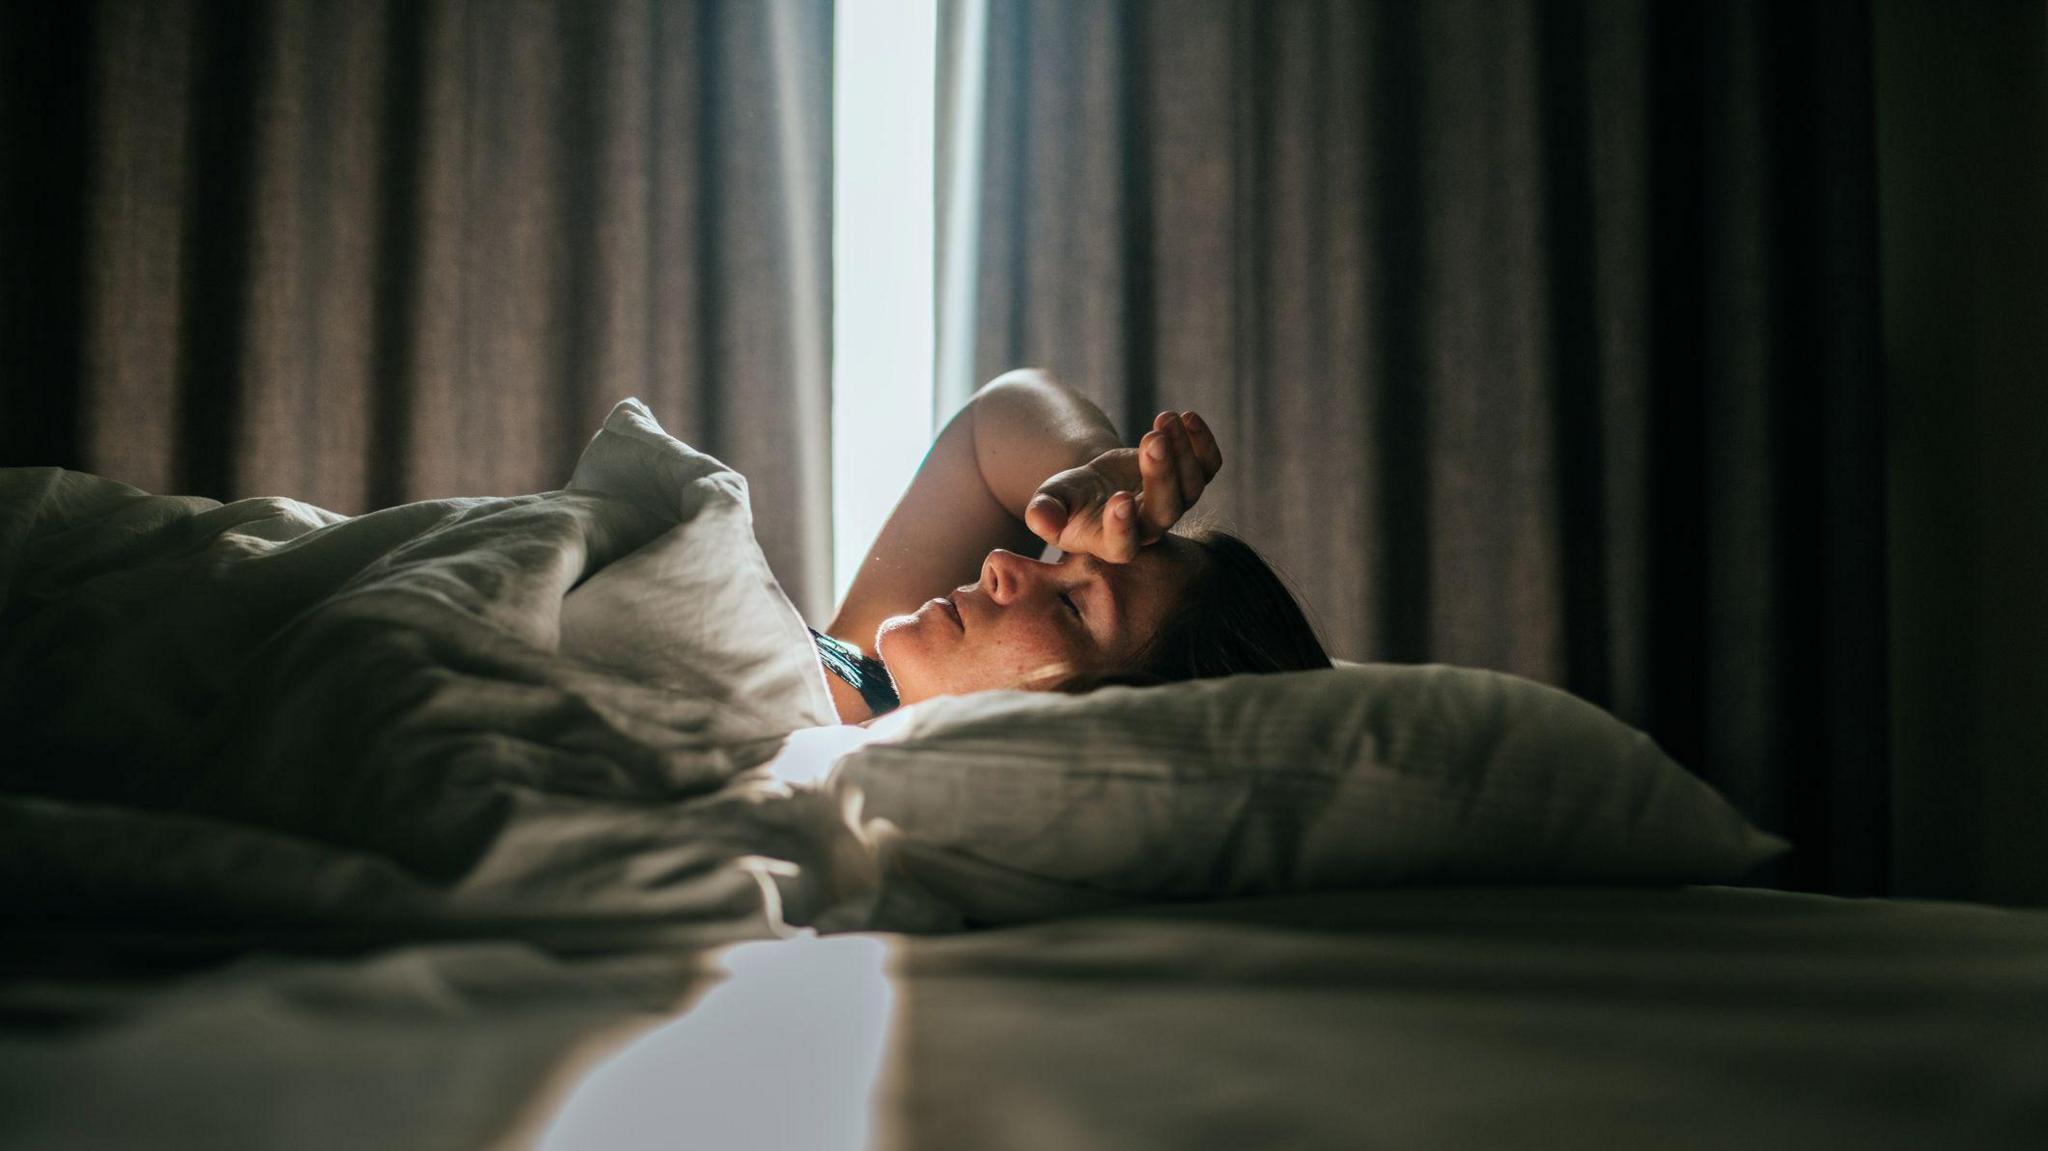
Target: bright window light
[(884, 61)]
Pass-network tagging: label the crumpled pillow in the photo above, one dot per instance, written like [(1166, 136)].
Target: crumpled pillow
[(1009, 806)]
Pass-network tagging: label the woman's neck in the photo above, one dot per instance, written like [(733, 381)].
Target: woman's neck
[(847, 701)]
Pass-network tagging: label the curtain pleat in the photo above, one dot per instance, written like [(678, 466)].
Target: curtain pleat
[(1539, 336), (365, 251)]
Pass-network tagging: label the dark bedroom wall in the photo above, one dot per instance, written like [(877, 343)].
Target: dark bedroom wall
[(1962, 133)]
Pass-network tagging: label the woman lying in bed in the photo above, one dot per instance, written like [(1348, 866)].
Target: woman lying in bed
[(1026, 463)]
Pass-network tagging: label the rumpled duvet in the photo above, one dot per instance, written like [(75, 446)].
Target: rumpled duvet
[(535, 716)]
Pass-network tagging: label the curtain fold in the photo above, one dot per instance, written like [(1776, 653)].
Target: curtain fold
[(1539, 336), (365, 252)]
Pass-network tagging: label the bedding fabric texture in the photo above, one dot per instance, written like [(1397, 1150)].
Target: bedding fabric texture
[(1470, 1018), (530, 716), (562, 718), (1010, 806), (1482, 1018)]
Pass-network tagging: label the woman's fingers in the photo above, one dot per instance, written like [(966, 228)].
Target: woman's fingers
[(1047, 517), (1121, 530), (1187, 469), (1161, 502), (1083, 510), (1199, 438), (1203, 440)]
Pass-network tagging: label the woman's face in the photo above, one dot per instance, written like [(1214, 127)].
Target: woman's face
[(1029, 624)]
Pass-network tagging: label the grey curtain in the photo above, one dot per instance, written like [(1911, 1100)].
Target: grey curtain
[(1962, 117), (1540, 336), (366, 251)]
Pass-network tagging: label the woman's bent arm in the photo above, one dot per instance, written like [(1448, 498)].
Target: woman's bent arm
[(1027, 426), (969, 495)]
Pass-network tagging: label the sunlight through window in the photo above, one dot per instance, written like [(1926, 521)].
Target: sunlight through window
[(884, 65)]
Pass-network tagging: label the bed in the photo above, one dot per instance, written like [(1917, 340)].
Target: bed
[(524, 821), (1698, 1017)]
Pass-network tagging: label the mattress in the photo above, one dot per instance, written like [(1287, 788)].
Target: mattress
[(1702, 1017), (1690, 1017)]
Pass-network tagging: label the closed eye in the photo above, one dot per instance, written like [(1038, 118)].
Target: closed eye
[(1069, 601)]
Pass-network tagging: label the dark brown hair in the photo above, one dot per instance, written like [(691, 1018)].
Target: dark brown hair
[(1236, 616)]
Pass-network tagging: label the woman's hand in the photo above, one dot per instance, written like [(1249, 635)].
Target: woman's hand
[(1126, 498)]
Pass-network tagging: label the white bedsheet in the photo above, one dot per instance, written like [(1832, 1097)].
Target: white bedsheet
[(530, 717)]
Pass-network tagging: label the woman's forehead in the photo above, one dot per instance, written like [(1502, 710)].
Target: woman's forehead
[(1159, 567)]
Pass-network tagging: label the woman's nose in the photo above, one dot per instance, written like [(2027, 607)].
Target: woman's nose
[(1006, 574)]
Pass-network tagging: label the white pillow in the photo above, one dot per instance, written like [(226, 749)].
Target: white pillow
[(695, 610), (1004, 806)]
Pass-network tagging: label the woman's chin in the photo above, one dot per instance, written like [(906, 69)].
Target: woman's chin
[(900, 642), (914, 642)]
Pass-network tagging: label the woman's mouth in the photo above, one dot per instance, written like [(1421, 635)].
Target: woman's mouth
[(952, 609)]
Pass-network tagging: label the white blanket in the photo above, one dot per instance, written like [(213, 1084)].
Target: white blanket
[(532, 716)]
